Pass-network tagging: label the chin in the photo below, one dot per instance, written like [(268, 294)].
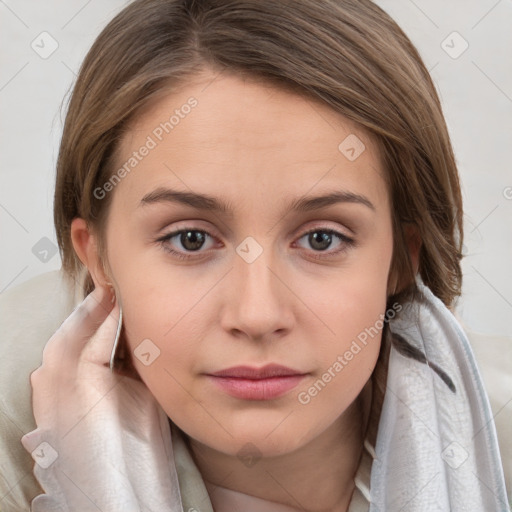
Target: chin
[(256, 441)]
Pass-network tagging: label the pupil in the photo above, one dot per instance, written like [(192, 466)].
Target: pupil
[(192, 240), (321, 242)]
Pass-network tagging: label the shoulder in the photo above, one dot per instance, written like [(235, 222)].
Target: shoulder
[(29, 314)]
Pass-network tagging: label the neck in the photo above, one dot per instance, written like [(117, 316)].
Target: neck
[(317, 477)]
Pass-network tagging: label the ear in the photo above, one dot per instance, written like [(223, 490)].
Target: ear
[(86, 248)]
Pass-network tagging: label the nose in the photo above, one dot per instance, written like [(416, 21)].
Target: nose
[(260, 303)]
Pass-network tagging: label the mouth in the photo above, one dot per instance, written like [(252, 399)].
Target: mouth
[(250, 383)]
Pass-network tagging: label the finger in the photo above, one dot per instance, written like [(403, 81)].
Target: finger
[(99, 348), (66, 356), (66, 345)]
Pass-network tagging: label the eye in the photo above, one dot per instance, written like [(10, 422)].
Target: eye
[(191, 240), (320, 240)]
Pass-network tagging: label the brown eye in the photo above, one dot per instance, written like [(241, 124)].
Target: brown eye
[(192, 240), (179, 242), (320, 240)]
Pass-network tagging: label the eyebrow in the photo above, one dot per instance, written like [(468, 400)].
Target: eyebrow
[(210, 203)]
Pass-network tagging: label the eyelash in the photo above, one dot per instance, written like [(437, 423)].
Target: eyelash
[(346, 241)]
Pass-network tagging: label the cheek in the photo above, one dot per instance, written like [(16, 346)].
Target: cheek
[(163, 358), (154, 322), (150, 314), (346, 357)]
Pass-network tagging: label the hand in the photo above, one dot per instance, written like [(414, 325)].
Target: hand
[(102, 441)]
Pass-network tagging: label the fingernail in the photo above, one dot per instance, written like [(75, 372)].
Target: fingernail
[(112, 292)]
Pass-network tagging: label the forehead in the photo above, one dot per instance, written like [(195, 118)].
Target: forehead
[(240, 137)]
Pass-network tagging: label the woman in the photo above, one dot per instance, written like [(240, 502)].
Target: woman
[(269, 192)]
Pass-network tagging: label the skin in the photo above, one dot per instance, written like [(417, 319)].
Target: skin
[(255, 147)]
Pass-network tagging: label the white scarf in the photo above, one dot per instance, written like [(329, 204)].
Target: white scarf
[(102, 442), (436, 446)]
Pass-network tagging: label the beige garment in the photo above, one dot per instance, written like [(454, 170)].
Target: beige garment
[(29, 315)]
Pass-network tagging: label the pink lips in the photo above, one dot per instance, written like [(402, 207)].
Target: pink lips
[(249, 383)]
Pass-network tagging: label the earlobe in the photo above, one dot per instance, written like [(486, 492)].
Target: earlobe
[(86, 248)]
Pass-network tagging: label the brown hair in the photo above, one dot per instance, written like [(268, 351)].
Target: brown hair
[(348, 54)]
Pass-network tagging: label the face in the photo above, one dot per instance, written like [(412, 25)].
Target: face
[(225, 254)]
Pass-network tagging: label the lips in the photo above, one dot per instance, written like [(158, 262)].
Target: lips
[(249, 383), (249, 372)]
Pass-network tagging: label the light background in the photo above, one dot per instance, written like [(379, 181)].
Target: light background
[(475, 89)]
